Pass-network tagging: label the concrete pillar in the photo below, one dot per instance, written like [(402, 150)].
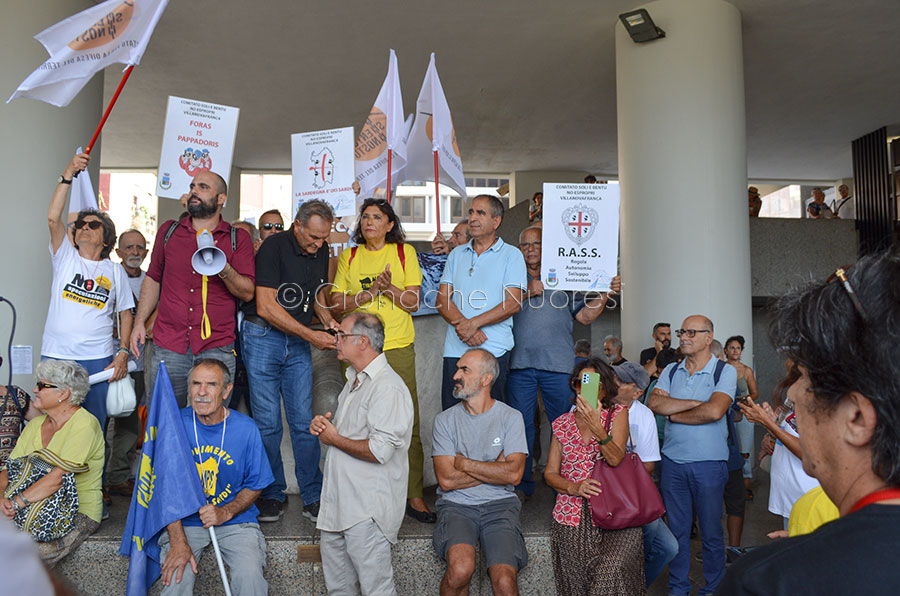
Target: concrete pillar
[(40, 140), (683, 173)]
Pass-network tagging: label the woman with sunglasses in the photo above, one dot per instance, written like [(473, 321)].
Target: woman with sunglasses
[(72, 435), (588, 561), (88, 293), (382, 276)]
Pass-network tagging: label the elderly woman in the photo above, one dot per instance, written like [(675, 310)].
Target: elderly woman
[(87, 293), (72, 434), (382, 276), (588, 561)]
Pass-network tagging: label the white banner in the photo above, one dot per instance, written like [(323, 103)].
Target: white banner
[(322, 167), (385, 128), (82, 195), (199, 137), (433, 131), (580, 241), (81, 45)]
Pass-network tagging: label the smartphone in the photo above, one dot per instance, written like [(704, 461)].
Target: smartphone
[(590, 388)]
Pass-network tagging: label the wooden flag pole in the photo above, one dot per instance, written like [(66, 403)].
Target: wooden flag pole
[(437, 193), (109, 108), (390, 155)]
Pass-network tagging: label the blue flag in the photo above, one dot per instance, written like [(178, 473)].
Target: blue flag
[(167, 488)]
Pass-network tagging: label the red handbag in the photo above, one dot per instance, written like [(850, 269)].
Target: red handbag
[(628, 497)]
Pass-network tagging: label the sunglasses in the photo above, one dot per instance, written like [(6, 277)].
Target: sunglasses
[(841, 274), (690, 332), (42, 385), (269, 226), (94, 224)]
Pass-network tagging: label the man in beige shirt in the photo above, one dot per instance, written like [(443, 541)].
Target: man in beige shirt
[(366, 465)]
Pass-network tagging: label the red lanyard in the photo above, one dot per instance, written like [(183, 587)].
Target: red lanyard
[(886, 494)]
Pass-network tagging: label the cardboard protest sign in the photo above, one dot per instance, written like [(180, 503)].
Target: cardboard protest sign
[(198, 137), (323, 168), (580, 242)]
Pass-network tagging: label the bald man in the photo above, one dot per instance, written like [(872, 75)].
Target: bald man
[(694, 396)]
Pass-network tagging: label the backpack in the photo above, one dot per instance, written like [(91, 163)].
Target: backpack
[(401, 254)]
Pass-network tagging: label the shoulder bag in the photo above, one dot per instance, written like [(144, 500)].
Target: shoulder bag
[(628, 498)]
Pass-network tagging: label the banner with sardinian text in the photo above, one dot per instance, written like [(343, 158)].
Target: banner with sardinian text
[(322, 167), (198, 137), (580, 240)]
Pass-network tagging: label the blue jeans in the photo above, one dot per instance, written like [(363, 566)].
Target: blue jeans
[(179, 366), (660, 547), (697, 487), (279, 365), (521, 393)]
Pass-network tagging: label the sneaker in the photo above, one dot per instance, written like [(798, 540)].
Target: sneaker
[(311, 511), (270, 510)]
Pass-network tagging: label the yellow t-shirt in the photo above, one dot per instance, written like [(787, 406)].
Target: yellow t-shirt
[(78, 441), (367, 265), (812, 510)]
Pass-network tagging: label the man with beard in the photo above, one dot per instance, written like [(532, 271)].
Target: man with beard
[(132, 250), (196, 312), (479, 456), (662, 340)]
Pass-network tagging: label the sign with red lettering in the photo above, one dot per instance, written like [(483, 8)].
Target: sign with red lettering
[(580, 239), (323, 168), (198, 137)]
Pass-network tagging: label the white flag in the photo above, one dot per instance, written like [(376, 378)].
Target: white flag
[(79, 46), (433, 131), (384, 129), (82, 196)]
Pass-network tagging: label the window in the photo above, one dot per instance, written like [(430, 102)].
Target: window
[(412, 209)]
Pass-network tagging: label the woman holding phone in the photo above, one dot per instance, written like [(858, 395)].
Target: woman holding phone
[(587, 560)]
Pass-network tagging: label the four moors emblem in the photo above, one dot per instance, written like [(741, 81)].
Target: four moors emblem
[(579, 221)]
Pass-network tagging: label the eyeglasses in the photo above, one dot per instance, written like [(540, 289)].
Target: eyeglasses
[(690, 332), (342, 335), (269, 226), (42, 385), (94, 224)]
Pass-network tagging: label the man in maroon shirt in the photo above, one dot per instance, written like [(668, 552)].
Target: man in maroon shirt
[(196, 317)]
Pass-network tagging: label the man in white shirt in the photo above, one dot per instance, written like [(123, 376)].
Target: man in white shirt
[(844, 206), (660, 546), (366, 465)]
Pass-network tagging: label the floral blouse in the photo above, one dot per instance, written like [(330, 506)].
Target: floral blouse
[(577, 462)]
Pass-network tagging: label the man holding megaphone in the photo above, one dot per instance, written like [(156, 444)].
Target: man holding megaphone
[(199, 269)]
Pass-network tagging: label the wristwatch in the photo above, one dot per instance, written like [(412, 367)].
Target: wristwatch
[(62, 180)]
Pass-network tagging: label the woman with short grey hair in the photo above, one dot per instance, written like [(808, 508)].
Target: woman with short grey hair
[(69, 444)]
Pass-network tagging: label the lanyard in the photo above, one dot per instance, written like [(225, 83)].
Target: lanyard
[(205, 329), (886, 494), (200, 450)]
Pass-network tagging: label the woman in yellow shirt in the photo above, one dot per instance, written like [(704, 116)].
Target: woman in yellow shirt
[(73, 435), (382, 276)]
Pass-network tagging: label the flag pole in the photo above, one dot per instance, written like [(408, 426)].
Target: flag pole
[(109, 108), (215, 543), (390, 155), (437, 193)]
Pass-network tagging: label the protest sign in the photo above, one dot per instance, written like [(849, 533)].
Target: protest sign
[(580, 242), (198, 137), (322, 167)]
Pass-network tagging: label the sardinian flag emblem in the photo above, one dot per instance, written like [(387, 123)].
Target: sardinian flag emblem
[(579, 221)]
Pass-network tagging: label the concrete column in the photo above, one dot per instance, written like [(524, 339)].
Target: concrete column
[(523, 184), (40, 140), (683, 170)]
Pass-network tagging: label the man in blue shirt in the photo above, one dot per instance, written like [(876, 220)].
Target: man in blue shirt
[(482, 287), (230, 458), (694, 398)]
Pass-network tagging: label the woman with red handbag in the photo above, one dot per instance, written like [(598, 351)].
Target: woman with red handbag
[(588, 561)]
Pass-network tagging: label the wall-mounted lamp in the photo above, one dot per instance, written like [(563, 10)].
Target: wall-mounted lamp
[(640, 26)]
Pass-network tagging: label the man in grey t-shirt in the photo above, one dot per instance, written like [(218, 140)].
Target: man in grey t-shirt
[(479, 456)]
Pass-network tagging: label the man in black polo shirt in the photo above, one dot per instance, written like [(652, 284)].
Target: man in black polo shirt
[(662, 340), (275, 339)]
